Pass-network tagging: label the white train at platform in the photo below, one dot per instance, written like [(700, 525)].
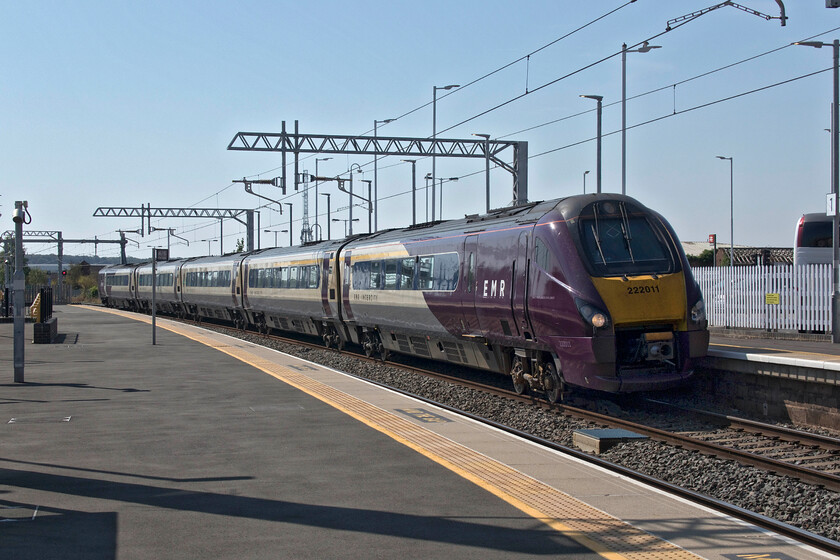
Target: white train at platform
[(592, 291)]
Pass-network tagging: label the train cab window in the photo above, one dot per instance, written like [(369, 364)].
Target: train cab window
[(618, 238), (407, 274), (391, 274)]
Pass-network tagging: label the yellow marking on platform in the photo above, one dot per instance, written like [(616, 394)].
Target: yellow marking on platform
[(596, 530)]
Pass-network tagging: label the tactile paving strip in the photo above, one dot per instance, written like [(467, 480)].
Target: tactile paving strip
[(600, 532)]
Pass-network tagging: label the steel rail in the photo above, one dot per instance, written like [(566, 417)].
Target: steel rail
[(788, 434)]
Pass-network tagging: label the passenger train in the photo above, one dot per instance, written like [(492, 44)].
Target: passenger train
[(586, 291)]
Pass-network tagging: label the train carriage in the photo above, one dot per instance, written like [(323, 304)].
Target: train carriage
[(167, 287), (210, 288), (388, 281), (288, 289), (117, 286)]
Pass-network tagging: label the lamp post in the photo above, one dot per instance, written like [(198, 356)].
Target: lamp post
[(346, 220), (359, 169), (208, 244), (275, 232), (441, 193), (291, 239), (413, 163), (835, 187), (646, 47), (427, 177), (329, 222), (731, 237), (486, 170), (375, 170), (370, 205), (599, 99), (317, 182), (434, 136), (585, 173)]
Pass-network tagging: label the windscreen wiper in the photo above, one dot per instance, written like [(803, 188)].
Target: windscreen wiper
[(625, 230), (596, 229)]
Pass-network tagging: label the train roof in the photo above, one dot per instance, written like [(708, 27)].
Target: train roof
[(497, 219)]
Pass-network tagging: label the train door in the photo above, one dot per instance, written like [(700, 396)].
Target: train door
[(329, 287), (469, 320), (237, 284), (519, 284), (344, 281)]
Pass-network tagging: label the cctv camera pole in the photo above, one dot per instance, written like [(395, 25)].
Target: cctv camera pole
[(18, 288)]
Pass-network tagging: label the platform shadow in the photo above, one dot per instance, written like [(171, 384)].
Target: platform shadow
[(483, 533)]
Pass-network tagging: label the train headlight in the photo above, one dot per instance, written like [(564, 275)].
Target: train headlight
[(594, 316), (599, 320), (698, 312)]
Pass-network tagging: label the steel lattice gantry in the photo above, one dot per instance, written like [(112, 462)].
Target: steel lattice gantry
[(392, 146), (147, 212), (33, 236)]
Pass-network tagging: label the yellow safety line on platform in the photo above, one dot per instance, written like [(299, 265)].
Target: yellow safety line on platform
[(596, 530)]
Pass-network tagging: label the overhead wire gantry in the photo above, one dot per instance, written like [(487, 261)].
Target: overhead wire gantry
[(285, 142), (146, 213)]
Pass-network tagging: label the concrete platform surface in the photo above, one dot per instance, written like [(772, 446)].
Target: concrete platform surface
[(205, 446)]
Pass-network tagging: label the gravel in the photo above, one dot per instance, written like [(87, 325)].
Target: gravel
[(806, 506)]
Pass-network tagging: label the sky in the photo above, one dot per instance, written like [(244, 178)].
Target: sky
[(120, 104)]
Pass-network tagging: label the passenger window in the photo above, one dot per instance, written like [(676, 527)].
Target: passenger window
[(426, 269), (446, 272), (391, 274), (361, 276), (407, 274), (375, 279)]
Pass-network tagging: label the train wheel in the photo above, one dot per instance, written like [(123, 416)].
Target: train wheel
[(554, 384), (517, 374)]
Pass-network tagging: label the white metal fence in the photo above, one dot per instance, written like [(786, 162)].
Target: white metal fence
[(767, 297)]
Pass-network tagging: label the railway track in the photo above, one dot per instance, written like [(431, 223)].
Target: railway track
[(806, 456)]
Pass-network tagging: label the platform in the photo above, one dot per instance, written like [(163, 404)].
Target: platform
[(207, 446), (805, 360)]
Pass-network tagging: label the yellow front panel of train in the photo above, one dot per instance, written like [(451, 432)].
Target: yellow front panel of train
[(644, 299)]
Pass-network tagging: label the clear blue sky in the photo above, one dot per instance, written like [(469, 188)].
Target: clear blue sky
[(126, 103)]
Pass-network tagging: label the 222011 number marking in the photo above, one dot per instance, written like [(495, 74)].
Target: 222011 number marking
[(632, 290)]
